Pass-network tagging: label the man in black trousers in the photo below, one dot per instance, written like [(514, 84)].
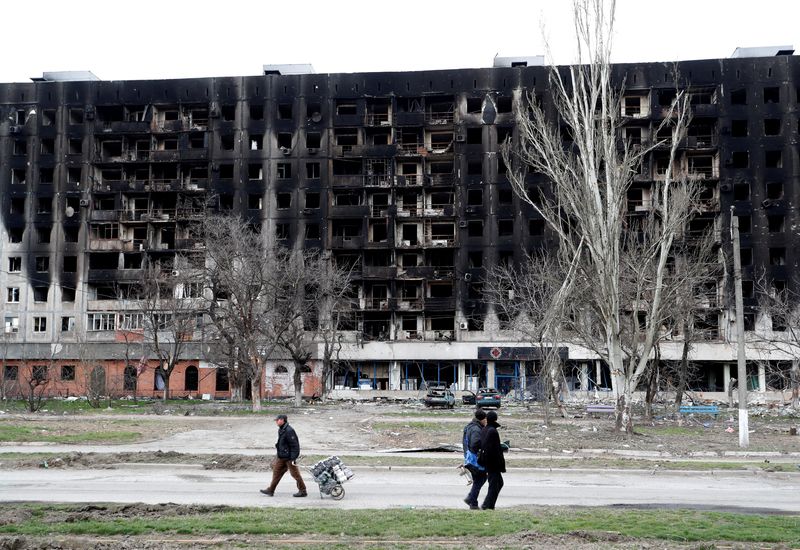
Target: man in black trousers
[(493, 460)]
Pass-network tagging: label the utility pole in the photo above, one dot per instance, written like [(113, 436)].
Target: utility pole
[(744, 434)]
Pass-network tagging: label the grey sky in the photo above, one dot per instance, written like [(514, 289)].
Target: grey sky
[(149, 39)]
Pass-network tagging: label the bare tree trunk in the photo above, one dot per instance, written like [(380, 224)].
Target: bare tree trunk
[(794, 374), (298, 384), (683, 373), (255, 394)]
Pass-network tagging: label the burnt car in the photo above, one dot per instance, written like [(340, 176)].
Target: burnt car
[(439, 396), (488, 397)]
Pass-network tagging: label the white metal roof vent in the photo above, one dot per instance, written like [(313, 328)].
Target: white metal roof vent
[(519, 61), (66, 76), (763, 51), (289, 68)]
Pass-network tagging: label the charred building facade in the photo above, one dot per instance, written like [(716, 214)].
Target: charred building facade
[(396, 174)]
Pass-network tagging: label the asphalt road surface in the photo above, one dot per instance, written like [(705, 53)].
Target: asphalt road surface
[(410, 488)]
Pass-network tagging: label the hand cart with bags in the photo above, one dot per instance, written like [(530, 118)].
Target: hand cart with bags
[(330, 474)]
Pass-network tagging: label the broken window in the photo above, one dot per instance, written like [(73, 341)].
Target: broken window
[(741, 191), (474, 136), (226, 142), (475, 228), (48, 146), (76, 116), (71, 234), (284, 201), (226, 171), (282, 231), (775, 224), (773, 159), (739, 128), (254, 201), (312, 231), (739, 97), (43, 235), (772, 126), (505, 196), (256, 143), (18, 176), (46, 175), (475, 197), (254, 172), (346, 107), (285, 111), (504, 104), (14, 264), (777, 256), (42, 263), (474, 105), (17, 205), (256, 112), (666, 97), (475, 168), (536, 228), (284, 140), (774, 190), (48, 117), (314, 112), (505, 227), (40, 293), (20, 147), (772, 94), (740, 159), (745, 224), (313, 140), (228, 112), (284, 170)]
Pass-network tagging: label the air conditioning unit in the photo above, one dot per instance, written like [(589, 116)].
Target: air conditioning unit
[(725, 187), (14, 129), (286, 151), (462, 223), (767, 203), (467, 277), (312, 151), (463, 325), (175, 273), (89, 112), (460, 138), (84, 202), (470, 210), (213, 113)]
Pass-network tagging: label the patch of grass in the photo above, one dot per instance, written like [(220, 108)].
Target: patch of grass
[(421, 425), (10, 433), (670, 430), (407, 524)]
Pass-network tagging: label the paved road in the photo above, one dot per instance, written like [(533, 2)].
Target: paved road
[(410, 487)]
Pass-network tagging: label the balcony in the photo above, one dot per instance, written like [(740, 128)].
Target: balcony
[(437, 118), (379, 272), (377, 119), (347, 242), (348, 150)]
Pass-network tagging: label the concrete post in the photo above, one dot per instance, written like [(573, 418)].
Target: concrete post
[(462, 376), (394, 375), (762, 377), (490, 381), (726, 377)]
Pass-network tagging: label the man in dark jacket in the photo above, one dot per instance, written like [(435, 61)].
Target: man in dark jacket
[(288, 447), (493, 460), (471, 442)]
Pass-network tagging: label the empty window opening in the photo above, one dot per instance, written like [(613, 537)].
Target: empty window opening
[(42, 264), (475, 228), (772, 126), (313, 140), (775, 224), (285, 111), (740, 159), (254, 202), (48, 146), (745, 224), (226, 171), (772, 94), (739, 97), (15, 234), (48, 117), (132, 261), (504, 104), (536, 228), (71, 234), (76, 116), (741, 191), (284, 201), (226, 142), (475, 197), (226, 202), (666, 97), (774, 190), (256, 143), (347, 198), (43, 235), (20, 147), (73, 175), (40, 293), (314, 112), (228, 112), (505, 196), (256, 112), (379, 232), (254, 172), (739, 128), (505, 227), (346, 107), (773, 159), (474, 105), (17, 205), (312, 231), (474, 136), (46, 175), (18, 176), (475, 168), (284, 140), (777, 256)]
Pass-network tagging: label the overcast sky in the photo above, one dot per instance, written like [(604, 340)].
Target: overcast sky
[(152, 39)]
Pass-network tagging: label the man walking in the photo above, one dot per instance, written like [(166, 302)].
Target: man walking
[(493, 460), (288, 447), (471, 442)]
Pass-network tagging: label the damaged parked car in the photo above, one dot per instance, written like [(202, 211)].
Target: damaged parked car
[(483, 398), (439, 396)]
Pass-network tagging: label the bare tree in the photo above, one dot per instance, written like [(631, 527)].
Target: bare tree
[(618, 306), (168, 303), (780, 302), (531, 296)]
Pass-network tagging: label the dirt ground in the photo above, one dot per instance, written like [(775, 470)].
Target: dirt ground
[(368, 427)]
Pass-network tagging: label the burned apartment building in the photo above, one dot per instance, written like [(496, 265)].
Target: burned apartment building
[(396, 174)]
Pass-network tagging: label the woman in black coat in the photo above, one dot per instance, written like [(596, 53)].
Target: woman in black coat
[(493, 459)]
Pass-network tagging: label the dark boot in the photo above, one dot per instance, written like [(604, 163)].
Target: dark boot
[(300, 494)]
